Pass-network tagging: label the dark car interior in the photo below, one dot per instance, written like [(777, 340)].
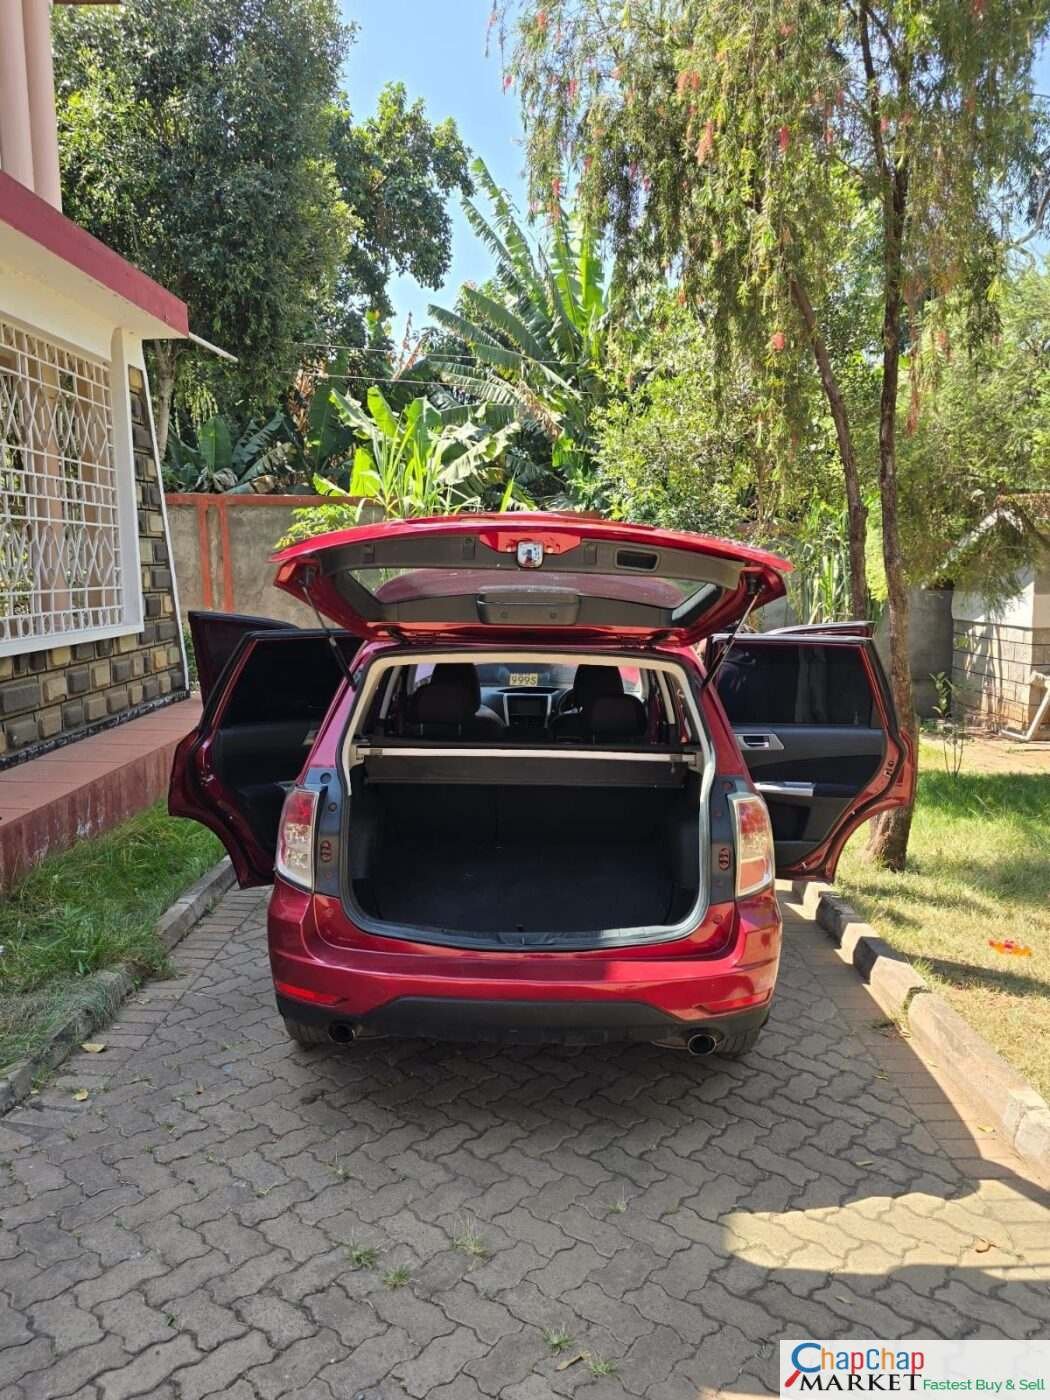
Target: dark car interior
[(289, 678), (526, 703), (270, 720), (487, 857), (570, 840), (559, 843)]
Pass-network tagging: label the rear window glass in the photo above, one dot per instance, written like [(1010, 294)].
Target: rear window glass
[(782, 684), (529, 675), (532, 699), (411, 583)]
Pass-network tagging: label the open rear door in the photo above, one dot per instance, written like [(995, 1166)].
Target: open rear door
[(813, 716), (261, 715)]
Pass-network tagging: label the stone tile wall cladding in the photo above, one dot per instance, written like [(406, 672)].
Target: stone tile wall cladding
[(991, 668), (49, 697)]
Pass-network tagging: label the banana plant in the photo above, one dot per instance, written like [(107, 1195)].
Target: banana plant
[(420, 461), (252, 462), (324, 436), (538, 338)]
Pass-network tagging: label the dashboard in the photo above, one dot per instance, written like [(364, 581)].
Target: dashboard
[(527, 710)]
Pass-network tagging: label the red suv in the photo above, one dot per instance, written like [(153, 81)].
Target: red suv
[(534, 788)]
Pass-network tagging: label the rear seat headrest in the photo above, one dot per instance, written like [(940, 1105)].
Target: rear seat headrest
[(617, 717), (441, 704), (449, 697), (461, 674), (593, 682)]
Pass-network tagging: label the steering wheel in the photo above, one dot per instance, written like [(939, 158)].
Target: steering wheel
[(564, 702)]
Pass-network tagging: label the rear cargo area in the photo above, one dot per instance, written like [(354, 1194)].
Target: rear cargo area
[(495, 859)]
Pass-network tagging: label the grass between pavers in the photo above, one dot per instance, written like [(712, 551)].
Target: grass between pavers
[(86, 909), (978, 870)]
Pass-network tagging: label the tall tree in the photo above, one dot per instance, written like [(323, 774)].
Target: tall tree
[(209, 142), (396, 171), (194, 141), (735, 142), (977, 446)]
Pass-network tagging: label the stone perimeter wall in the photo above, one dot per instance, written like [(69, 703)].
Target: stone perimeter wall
[(991, 667), (51, 697)]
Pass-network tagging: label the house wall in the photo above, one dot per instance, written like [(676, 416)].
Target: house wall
[(50, 697), (929, 643), (997, 647)]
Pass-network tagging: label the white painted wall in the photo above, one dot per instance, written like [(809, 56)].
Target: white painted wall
[(1028, 608)]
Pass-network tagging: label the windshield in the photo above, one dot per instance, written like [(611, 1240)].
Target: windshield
[(526, 675)]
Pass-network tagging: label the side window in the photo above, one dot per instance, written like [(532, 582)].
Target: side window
[(634, 681), (417, 676), (779, 683), (284, 681)]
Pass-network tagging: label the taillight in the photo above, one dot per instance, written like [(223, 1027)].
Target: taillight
[(754, 843), (295, 838)]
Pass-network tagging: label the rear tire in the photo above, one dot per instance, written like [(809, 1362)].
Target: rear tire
[(735, 1046), (303, 1034)]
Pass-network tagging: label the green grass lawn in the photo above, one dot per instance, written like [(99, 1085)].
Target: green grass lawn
[(979, 869), (86, 909)]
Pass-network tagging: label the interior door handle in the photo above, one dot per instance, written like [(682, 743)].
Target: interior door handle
[(785, 789), (758, 739)]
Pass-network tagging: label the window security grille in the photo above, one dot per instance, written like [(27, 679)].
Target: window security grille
[(60, 557)]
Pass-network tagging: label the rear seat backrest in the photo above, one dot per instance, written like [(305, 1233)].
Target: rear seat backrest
[(449, 706)]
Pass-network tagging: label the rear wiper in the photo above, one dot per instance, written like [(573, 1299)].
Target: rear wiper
[(752, 584)]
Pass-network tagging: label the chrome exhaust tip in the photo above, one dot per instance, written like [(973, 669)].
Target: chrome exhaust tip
[(702, 1044), (341, 1033)]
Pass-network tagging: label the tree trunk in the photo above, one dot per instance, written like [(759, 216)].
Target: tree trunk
[(164, 353), (888, 843), (858, 515)]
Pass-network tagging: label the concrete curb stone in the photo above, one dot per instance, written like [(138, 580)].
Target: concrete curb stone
[(979, 1073), (104, 991)]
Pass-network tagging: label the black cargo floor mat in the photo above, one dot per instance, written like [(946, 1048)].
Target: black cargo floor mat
[(535, 887)]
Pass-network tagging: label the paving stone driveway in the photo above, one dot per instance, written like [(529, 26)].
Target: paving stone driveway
[(199, 1225)]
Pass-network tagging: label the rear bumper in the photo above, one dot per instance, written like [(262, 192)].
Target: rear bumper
[(326, 972), (522, 1022)]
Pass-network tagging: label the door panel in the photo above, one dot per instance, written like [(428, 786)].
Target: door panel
[(216, 637), (802, 630), (814, 723), (232, 773), (810, 781)]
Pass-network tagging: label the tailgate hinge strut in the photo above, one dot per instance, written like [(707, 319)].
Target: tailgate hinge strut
[(751, 582), (309, 575)]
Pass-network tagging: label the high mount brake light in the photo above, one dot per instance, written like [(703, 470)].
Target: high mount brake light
[(755, 868), (295, 838)]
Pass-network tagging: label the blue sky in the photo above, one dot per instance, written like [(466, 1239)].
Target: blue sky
[(438, 51)]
